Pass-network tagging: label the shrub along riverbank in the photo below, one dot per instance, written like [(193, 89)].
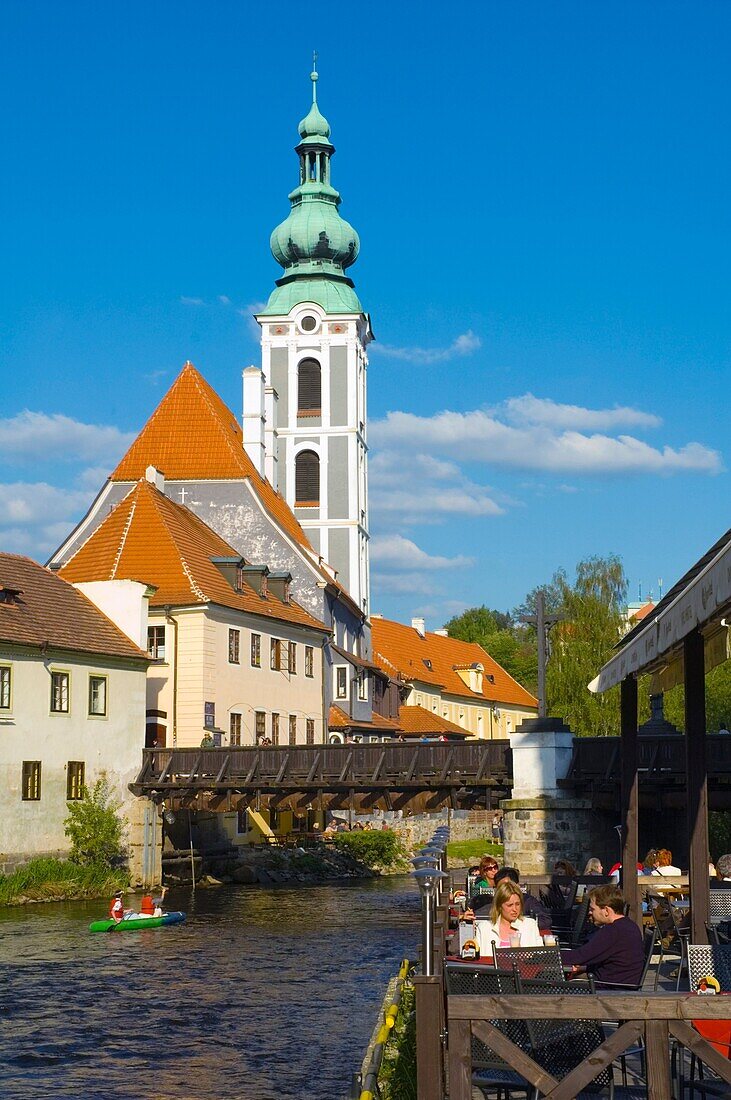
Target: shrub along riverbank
[(58, 880)]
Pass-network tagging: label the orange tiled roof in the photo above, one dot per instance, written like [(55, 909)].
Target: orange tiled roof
[(193, 436), (642, 612), (148, 537), (48, 611), (416, 721), (401, 649), (339, 720)]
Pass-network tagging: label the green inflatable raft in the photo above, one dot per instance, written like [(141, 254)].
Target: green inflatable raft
[(135, 923)]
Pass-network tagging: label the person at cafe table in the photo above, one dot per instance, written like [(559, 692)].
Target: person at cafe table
[(507, 926), (615, 953)]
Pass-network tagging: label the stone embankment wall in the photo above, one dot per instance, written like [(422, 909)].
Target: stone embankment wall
[(463, 825), (264, 865)]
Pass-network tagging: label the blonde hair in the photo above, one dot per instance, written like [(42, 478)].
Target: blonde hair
[(593, 866), (503, 893)]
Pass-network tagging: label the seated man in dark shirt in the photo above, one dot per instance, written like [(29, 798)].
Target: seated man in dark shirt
[(615, 953)]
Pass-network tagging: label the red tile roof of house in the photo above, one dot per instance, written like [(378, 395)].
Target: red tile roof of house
[(193, 436), (48, 611), (148, 537), (400, 649), (642, 612), (416, 722), (339, 720)]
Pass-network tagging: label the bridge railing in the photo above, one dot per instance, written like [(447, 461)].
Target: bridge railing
[(401, 763), (598, 758)]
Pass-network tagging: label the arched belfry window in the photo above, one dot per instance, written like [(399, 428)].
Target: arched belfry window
[(309, 387), (307, 478)]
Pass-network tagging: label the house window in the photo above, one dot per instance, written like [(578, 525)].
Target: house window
[(275, 729), (156, 642), (97, 696), (5, 681), (234, 728), (362, 684), (292, 658), (75, 771), (275, 654), (261, 724), (307, 478), (341, 682), (309, 661), (31, 780), (59, 692), (234, 637), (310, 731), (293, 729), (309, 387), (256, 650)]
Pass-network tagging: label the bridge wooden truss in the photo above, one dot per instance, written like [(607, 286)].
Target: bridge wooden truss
[(413, 777), (596, 768)]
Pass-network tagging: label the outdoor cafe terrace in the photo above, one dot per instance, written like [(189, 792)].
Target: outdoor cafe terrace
[(514, 1025)]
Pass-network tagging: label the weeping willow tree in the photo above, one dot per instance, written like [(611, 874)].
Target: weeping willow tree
[(592, 624)]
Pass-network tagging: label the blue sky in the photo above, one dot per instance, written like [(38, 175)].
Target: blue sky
[(542, 196)]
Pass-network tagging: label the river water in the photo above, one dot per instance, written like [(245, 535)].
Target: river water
[(263, 994)]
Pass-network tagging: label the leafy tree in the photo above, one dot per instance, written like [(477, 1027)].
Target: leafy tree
[(580, 644), (95, 828)]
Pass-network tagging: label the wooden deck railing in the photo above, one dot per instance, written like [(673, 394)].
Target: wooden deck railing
[(654, 1017)]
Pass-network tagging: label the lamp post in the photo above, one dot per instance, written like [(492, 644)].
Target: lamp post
[(428, 879)]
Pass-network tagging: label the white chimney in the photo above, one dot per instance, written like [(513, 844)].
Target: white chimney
[(253, 422), (442, 633), (155, 477), (419, 625), (271, 399)]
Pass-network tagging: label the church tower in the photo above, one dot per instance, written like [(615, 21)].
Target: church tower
[(305, 412)]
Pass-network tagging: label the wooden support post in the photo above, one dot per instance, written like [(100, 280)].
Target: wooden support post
[(429, 1068), (630, 797), (697, 772), (658, 1059)]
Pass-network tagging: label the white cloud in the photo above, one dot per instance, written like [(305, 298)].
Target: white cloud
[(155, 376), (404, 584), (396, 552), (464, 344), (248, 313), (479, 436), (224, 299), (59, 439), (420, 488), (542, 410), (186, 301), (35, 518)]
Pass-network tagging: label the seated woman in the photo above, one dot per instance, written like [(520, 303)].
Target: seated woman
[(507, 926), (650, 862), (486, 873), (665, 863)]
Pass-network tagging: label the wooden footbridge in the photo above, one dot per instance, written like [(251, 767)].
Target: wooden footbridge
[(413, 777)]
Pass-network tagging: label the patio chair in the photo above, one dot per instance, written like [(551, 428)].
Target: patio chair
[(530, 962), (720, 906), (710, 959), (704, 960), (560, 1045), (491, 1073), (715, 935), (666, 935), (681, 921)]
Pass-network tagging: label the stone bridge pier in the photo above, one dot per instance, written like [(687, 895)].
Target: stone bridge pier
[(542, 821)]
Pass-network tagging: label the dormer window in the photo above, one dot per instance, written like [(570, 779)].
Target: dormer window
[(427, 662), (10, 595)]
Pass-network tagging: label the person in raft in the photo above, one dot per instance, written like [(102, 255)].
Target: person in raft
[(507, 926), (117, 912), (152, 907), (615, 953)]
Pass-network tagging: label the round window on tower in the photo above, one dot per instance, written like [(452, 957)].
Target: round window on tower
[(309, 323)]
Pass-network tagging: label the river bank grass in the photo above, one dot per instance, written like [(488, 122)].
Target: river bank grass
[(471, 851), (58, 880)]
